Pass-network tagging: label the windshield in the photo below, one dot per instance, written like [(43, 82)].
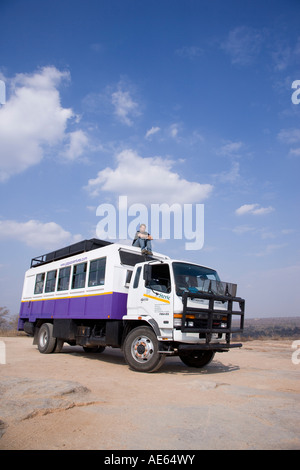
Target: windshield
[(193, 278)]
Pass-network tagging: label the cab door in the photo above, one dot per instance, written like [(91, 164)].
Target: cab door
[(152, 294)]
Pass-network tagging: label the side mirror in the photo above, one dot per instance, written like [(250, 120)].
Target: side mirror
[(147, 275)]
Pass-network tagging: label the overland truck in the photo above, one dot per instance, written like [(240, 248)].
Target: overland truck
[(95, 293)]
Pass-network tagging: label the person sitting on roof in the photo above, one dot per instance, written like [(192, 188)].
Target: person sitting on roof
[(143, 240)]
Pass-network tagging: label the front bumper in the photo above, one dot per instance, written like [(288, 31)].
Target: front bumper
[(218, 347)]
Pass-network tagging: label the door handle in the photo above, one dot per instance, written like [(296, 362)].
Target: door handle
[(143, 299)]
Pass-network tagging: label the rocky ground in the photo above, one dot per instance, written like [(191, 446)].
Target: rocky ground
[(245, 399)]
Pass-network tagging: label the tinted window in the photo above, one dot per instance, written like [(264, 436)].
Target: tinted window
[(64, 278), (97, 272), (39, 283), (50, 281), (79, 275)]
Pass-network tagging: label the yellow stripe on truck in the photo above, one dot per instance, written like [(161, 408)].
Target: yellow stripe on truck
[(156, 298)]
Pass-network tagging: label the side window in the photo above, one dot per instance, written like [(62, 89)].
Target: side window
[(64, 278), (137, 277), (160, 279), (39, 283), (97, 272), (50, 281), (128, 277), (79, 275)]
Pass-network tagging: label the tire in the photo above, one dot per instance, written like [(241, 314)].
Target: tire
[(197, 358), (95, 349), (141, 350), (46, 340)]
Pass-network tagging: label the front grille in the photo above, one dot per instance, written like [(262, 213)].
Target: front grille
[(203, 323), (211, 319)]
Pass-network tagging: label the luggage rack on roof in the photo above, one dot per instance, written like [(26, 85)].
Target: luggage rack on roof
[(76, 248)]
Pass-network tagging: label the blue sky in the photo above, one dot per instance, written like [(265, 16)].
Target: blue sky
[(165, 102)]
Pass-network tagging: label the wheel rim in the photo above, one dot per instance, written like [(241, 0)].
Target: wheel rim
[(142, 349), (44, 339)]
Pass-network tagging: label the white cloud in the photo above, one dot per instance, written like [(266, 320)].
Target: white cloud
[(241, 229), (285, 53), (152, 131), (295, 152), (195, 138), (243, 44), (147, 180), (173, 130), (267, 234), (37, 234), (281, 56), (287, 231), (97, 47), (253, 209), (31, 120), (289, 136), (246, 208), (229, 176), (190, 52), (125, 107), (269, 249), (2, 91), (78, 143), (230, 148), (263, 210)]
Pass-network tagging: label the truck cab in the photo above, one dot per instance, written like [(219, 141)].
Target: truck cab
[(188, 308)]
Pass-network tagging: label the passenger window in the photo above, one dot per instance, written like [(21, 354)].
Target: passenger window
[(39, 283), (50, 281), (97, 272), (79, 275), (64, 278)]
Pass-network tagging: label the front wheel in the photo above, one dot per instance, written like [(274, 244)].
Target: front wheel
[(141, 350), (197, 358)]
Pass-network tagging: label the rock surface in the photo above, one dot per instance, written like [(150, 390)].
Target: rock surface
[(244, 399)]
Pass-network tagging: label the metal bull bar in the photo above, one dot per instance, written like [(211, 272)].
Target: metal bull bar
[(210, 317)]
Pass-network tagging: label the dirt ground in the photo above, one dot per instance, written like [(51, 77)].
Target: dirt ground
[(245, 399)]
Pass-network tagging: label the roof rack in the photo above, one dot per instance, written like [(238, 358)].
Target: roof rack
[(76, 248)]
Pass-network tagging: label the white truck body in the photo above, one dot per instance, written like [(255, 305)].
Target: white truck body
[(99, 294)]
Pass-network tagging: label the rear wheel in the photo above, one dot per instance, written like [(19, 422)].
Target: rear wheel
[(197, 358), (141, 350), (46, 340)]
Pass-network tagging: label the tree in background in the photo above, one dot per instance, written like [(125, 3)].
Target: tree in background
[(7, 322)]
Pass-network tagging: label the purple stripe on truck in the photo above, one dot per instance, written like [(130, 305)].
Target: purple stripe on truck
[(110, 305)]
